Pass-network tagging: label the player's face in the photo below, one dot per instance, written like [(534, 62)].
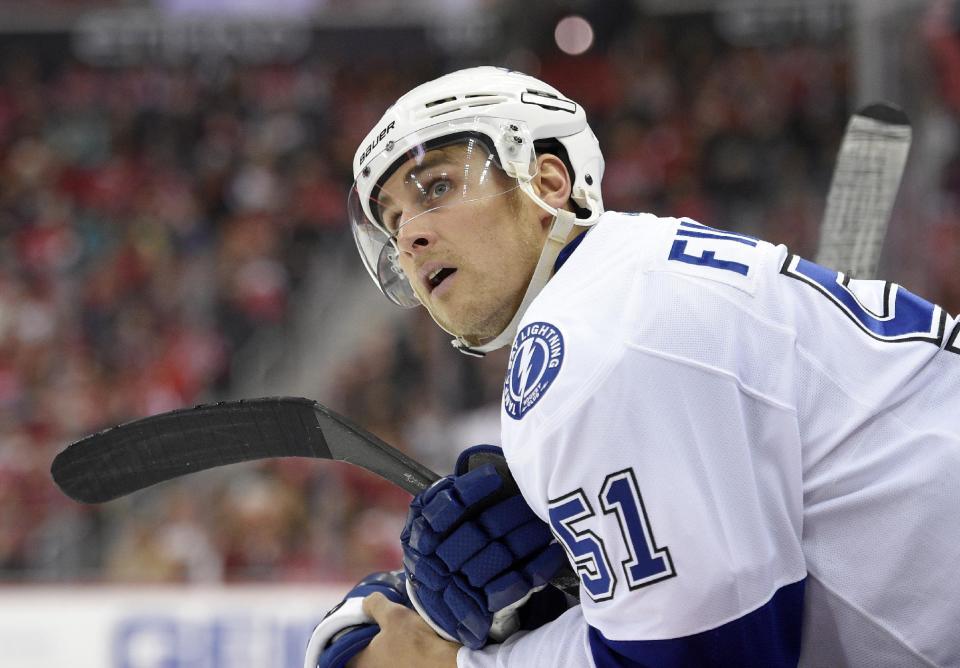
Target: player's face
[(469, 259)]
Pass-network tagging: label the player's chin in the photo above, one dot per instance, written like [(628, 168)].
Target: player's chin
[(456, 320), (475, 320), (449, 318), (485, 326)]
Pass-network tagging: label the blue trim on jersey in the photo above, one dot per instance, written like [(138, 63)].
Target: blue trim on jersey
[(908, 314), (567, 250), (768, 637)]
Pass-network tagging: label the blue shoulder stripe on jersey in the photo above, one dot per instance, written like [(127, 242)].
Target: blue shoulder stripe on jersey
[(768, 637), (567, 250)]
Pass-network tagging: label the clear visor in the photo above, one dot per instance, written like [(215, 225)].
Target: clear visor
[(430, 181)]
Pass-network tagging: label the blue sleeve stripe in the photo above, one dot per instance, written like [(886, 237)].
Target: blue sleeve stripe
[(768, 637)]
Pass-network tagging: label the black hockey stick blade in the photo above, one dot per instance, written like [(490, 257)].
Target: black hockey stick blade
[(138, 454)]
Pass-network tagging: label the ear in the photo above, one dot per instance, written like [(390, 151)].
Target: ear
[(552, 182)]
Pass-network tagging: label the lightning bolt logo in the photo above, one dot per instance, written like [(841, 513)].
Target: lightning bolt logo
[(535, 361), (526, 363)]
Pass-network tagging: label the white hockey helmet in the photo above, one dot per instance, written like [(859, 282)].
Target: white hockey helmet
[(501, 111)]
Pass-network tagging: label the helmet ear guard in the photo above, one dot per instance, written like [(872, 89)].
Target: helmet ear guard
[(584, 189), (587, 172)]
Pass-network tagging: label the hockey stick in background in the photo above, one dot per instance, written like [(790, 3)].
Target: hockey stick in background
[(870, 164), (136, 455)]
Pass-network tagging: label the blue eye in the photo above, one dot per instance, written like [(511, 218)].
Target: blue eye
[(439, 188)]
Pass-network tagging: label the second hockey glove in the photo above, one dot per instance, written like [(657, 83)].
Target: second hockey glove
[(474, 551), (346, 630)]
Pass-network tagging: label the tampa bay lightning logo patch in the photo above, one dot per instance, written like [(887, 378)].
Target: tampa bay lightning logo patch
[(535, 361)]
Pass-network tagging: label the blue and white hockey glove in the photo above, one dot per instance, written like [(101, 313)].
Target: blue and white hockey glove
[(346, 629), (474, 552)]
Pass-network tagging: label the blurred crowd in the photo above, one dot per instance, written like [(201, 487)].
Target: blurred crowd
[(153, 219)]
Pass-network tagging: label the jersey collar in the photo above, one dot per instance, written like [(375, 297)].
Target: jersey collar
[(567, 250)]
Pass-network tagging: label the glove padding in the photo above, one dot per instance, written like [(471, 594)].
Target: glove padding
[(474, 551), (346, 629)]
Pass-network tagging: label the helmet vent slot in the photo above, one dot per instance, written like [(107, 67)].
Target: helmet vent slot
[(543, 93), (479, 99), (441, 101), (447, 105), (548, 101)]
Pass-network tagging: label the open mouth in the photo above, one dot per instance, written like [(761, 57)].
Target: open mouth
[(439, 276)]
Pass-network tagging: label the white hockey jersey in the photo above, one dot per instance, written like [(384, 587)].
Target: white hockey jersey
[(725, 437)]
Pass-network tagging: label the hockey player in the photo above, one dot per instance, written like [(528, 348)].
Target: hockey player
[(748, 459)]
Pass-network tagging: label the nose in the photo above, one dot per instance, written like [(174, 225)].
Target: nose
[(415, 235)]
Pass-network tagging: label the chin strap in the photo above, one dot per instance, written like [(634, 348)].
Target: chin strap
[(557, 239)]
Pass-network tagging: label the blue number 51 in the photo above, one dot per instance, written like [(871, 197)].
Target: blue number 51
[(620, 495)]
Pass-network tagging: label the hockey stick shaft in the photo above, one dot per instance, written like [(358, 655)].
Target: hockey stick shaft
[(870, 165)]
